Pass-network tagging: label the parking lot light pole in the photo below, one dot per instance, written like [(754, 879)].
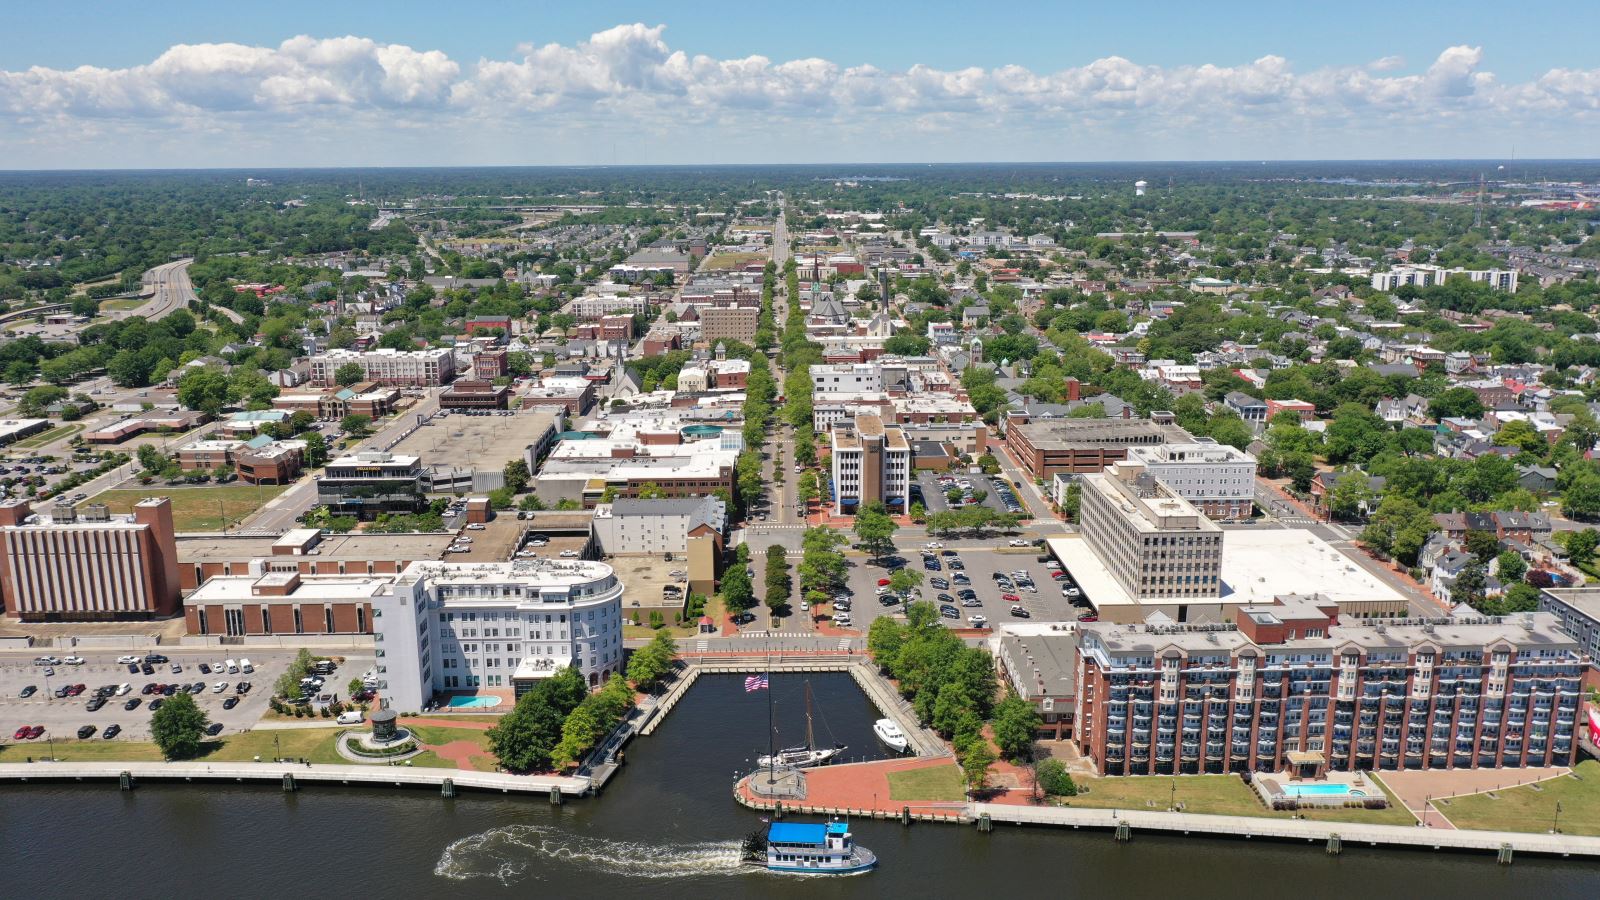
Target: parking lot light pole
[(277, 750)]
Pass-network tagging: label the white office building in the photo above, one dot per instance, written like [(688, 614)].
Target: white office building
[(1217, 478), (871, 463), (1423, 275), (494, 628), (847, 378)]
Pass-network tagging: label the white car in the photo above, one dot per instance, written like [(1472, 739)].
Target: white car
[(1016, 543), (476, 526), (977, 621), (804, 606), (125, 660), (934, 545), (177, 668), (74, 660), (464, 539), (569, 554), (219, 687), (842, 598), (1070, 592), (219, 666), (123, 688)]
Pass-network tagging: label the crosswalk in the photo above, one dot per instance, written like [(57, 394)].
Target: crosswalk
[(844, 643), (702, 646)]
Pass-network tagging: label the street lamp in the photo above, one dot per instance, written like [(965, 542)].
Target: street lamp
[(1555, 827)]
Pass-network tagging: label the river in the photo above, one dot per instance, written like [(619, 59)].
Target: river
[(667, 827)]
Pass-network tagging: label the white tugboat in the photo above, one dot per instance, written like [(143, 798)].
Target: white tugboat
[(891, 735), (809, 849)]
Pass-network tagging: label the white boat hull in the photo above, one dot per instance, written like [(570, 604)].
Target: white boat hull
[(891, 735)]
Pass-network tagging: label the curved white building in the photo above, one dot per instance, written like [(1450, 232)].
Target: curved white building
[(494, 628)]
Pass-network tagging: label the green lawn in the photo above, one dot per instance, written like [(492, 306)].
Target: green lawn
[(92, 750), (1216, 795), (722, 261), (197, 508), (1527, 809), (59, 433), (314, 744), (932, 783), (121, 305)]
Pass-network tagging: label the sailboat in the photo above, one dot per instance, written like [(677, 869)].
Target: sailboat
[(804, 756)]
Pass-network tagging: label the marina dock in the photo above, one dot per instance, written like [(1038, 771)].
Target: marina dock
[(291, 775)]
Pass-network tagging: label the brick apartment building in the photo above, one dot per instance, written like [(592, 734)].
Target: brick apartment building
[(1080, 446), (1291, 686)]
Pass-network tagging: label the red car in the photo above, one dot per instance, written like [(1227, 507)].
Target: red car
[(76, 690), (35, 731), (883, 582), (22, 734), (1011, 598), (1058, 575), (1088, 617)]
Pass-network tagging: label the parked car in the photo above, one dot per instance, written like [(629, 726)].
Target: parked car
[(1088, 617), (85, 732), (1016, 542), (156, 704), (124, 660), (111, 731), (1020, 613), (74, 660), (353, 717), (214, 729), (230, 703), (47, 661), (977, 621), (205, 668), (21, 733), (132, 704), (242, 687), (28, 691), (1011, 598)]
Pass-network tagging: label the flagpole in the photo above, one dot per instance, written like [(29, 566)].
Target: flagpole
[(771, 752)]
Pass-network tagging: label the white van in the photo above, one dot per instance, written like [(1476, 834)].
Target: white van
[(353, 717), (244, 666), (233, 667)]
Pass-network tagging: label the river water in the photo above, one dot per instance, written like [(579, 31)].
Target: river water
[(666, 827)]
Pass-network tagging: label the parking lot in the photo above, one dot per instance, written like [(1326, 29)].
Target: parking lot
[(62, 717), (994, 487), (1044, 603)]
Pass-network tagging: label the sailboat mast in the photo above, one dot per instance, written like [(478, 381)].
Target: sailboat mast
[(810, 741)]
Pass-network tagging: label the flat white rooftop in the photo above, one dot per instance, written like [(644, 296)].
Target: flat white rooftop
[(1257, 566)]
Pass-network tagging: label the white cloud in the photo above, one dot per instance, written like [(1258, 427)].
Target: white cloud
[(629, 75)]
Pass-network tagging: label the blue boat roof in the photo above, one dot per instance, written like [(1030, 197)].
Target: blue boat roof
[(838, 828), (796, 833)]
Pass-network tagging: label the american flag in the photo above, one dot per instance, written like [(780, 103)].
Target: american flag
[(755, 683)]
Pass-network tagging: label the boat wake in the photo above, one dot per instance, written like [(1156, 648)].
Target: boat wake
[(512, 852)]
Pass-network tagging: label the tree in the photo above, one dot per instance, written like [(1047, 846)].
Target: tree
[(355, 688), (1482, 544), (777, 577), (178, 726), (524, 739), (1015, 724), (653, 662), (316, 449), (1456, 403), (875, 529), (737, 593), (37, 400), (1051, 777), (651, 491), (1470, 585), (349, 373), (1510, 567), (516, 475), (1581, 497), (1581, 546), (884, 639), (204, 390), (1521, 434), (975, 765), (355, 424), (151, 458), (905, 580)]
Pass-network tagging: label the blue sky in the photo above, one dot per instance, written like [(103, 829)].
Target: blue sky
[(498, 82)]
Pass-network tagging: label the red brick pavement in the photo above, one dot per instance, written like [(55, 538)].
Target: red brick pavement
[(864, 786)]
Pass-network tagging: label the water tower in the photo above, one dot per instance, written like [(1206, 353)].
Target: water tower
[(1139, 186)]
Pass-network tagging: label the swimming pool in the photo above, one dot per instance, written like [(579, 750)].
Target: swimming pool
[(1321, 790), (484, 702)]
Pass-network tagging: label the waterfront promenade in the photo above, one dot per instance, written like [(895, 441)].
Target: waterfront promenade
[(356, 775), (1348, 834)]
